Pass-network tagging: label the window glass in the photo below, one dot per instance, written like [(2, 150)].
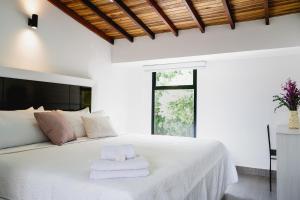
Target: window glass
[(178, 77), (174, 112), (174, 109)]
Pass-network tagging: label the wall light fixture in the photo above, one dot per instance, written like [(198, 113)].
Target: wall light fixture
[(33, 21)]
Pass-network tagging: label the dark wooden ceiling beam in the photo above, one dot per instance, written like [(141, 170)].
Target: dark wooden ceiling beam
[(133, 17), (102, 15), (81, 20), (228, 13), (163, 16), (195, 15), (267, 12)]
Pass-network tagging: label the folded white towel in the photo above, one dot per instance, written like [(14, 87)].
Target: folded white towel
[(117, 152), (118, 174), (106, 165)]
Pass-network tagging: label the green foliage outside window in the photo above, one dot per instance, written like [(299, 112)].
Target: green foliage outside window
[(175, 116)]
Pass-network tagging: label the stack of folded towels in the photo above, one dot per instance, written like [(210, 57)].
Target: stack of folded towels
[(119, 161)]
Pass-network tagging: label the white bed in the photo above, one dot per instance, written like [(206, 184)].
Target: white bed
[(180, 169)]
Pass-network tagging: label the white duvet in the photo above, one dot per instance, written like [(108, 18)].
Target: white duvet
[(180, 168)]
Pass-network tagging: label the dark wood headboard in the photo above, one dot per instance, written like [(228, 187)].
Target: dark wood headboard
[(17, 94)]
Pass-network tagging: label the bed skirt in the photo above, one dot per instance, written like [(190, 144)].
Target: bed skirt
[(214, 184)]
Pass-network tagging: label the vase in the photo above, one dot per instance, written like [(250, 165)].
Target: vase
[(293, 120)]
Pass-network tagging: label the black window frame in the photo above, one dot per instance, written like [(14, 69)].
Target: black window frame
[(174, 87)]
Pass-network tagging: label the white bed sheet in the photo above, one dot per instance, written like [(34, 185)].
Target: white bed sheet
[(180, 168)]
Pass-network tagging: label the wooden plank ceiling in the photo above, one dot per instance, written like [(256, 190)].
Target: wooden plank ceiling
[(115, 19)]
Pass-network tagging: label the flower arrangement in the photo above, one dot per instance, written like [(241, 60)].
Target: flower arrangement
[(290, 97)]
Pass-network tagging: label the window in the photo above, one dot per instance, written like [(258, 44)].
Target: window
[(174, 96)]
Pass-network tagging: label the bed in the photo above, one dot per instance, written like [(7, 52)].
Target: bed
[(33, 169), (180, 168)]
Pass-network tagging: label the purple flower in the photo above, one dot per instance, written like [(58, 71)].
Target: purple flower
[(290, 97)]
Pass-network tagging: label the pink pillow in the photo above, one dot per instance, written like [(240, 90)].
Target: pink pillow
[(55, 127)]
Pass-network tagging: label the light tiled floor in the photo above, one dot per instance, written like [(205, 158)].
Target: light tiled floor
[(251, 188)]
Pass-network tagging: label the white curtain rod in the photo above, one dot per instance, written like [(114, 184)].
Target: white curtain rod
[(174, 66)]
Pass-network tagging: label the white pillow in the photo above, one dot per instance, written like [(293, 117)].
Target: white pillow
[(28, 109), (19, 128), (97, 126), (99, 112), (74, 119), (41, 108)]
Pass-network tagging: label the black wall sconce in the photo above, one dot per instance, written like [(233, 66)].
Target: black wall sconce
[(33, 21)]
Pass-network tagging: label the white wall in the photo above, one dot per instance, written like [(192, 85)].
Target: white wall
[(234, 101), (254, 35), (59, 45), (126, 97), (235, 104)]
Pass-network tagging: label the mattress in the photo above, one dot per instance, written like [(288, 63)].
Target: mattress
[(180, 168)]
